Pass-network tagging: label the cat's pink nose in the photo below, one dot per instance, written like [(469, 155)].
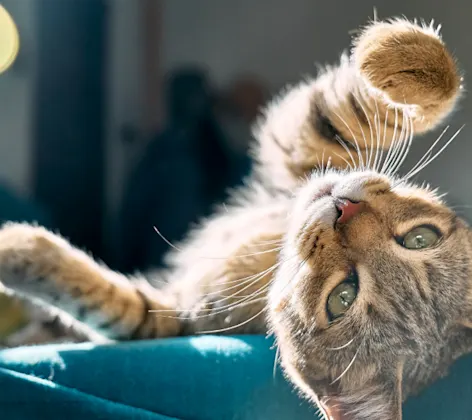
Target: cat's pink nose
[(347, 209)]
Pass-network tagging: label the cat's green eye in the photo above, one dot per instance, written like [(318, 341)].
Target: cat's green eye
[(342, 297), (421, 237)]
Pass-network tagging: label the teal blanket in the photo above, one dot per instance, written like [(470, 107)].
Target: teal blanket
[(192, 378)]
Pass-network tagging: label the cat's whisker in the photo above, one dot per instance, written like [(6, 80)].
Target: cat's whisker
[(244, 298), (406, 144), (220, 309), (255, 294), (251, 283), (400, 146), (235, 304), (242, 281), (377, 132), (323, 167), (370, 126), (427, 153), (409, 144), (386, 164), (397, 151), (461, 206), (212, 314), (359, 154), (435, 156), (276, 359), (382, 149), (329, 163), (215, 258), (396, 147), (345, 161), (347, 368), (372, 140), (320, 166), (348, 151), (341, 347), (272, 242), (232, 327)]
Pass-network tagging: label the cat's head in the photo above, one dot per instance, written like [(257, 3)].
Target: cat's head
[(373, 298)]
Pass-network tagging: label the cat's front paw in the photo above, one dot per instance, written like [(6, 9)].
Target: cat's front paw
[(27, 255), (408, 63)]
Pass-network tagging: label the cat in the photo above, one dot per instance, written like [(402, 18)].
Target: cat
[(362, 277)]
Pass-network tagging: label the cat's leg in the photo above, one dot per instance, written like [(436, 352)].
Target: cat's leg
[(220, 276), (39, 265), (399, 76), (231, 296)]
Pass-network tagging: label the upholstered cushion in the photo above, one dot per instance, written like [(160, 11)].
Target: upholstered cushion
[(194, 378)]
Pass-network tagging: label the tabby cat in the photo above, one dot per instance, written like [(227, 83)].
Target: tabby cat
[(363, 278)]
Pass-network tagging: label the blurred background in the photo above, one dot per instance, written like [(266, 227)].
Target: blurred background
[(121, 115)]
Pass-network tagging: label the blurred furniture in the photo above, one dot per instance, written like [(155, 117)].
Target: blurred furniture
[(198, 378), (184, 172), (68, 148)]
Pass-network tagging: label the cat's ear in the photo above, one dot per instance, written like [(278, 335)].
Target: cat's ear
[(381, 399)]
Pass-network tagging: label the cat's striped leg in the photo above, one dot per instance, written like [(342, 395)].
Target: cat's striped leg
[(40, 265), (399, 80)]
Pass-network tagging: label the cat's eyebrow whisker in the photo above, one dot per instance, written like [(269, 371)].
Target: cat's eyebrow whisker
[(300, 266), (348, 367), (341, 347)]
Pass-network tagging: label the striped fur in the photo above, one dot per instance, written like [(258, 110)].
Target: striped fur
[(398, 80)]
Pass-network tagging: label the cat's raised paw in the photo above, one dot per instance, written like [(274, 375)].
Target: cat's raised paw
[(408, 63)]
